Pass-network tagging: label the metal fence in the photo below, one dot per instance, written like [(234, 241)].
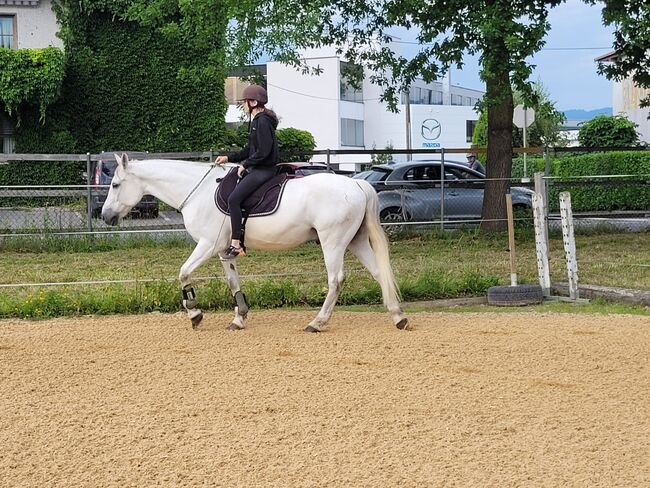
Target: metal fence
[(441, 192)]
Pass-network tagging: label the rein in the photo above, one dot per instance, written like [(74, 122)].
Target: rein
[(180, 207)]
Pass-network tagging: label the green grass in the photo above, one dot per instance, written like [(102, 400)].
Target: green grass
[(428, 266)]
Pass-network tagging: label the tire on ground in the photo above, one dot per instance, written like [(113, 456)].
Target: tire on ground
[(515, 296)]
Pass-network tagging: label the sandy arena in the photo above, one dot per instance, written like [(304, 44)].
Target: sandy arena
[(494, 399)]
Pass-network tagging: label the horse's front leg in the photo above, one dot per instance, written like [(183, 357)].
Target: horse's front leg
[(202, 252), (241, 305)]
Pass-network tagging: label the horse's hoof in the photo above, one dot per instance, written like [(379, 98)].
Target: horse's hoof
[(196, 321), (403, 324), (234, 326), (311, 328)]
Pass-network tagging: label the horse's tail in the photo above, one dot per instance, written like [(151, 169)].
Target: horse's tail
[(379, 243)]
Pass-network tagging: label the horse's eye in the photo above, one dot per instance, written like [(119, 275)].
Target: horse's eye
[(115, 185)]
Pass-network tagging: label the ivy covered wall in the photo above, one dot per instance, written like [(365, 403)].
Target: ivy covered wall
[(128, 87)]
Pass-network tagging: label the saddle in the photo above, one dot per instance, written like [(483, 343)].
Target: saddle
[(263, 201)]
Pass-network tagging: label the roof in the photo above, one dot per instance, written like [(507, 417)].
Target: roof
[(610, 57)]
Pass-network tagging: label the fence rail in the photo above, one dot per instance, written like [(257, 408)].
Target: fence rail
[(28, 209)]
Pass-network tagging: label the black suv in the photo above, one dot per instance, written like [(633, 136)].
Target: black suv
[(102, 176)]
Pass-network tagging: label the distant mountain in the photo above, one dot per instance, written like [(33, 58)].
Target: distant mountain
[(586, 114)]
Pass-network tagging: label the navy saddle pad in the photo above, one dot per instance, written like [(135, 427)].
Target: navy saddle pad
[(264, 201)]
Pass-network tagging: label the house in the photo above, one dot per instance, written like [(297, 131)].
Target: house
[(24, 24), (627, 98), (341, 116)]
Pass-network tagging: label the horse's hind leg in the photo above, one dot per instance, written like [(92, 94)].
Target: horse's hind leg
[(201, 253), (241, 307), (360, 247)]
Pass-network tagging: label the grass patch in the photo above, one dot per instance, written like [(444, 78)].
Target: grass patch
[(430, 265)]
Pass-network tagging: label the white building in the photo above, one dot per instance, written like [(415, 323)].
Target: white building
[(24, 24), (341, 117), (28, 24), (626, 100)]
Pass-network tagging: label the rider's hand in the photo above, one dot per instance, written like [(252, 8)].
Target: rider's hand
[(240, 170), (221, 160)]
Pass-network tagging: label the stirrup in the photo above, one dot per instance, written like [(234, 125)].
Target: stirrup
[(233, 252)]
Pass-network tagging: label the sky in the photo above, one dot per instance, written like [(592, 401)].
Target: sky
[(569, 75)]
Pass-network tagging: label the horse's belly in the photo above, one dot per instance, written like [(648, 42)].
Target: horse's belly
[(273, 234)]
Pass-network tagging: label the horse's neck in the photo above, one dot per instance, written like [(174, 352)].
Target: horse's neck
[(171, 181)]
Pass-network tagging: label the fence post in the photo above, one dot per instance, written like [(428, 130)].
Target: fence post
[(89, 203), (442, 189), (328, 160), (569, 243), (541, 235)]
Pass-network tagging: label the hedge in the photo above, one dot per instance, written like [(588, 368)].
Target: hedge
[(601, 195)]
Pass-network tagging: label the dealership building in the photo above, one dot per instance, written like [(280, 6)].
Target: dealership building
[(436, 115)]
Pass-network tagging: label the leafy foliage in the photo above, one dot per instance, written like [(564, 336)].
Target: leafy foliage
[(608, 131), (31, 76), (295, 144), (611, 196), (631, 19), (131, 86)]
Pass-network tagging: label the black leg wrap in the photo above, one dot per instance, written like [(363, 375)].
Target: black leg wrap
[(240, 301), (189, 298)]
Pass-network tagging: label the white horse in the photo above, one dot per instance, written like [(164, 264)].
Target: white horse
[(340, 212)]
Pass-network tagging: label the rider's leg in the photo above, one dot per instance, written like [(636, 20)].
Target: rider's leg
[(246, 186)]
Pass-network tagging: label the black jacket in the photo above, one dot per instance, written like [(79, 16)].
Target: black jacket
[(262, 148)]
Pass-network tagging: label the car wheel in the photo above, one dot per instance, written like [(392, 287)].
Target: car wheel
[(393, 215)]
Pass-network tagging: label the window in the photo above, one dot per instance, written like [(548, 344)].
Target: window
[(470, 125), (349, 92), (456, 99), (352, 132), (7, 31), (436, 98), (422, 174)]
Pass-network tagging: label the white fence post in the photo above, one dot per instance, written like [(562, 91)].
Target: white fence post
[(541, 234), (569, 243)]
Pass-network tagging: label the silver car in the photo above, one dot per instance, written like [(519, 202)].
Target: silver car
[(411, 191)]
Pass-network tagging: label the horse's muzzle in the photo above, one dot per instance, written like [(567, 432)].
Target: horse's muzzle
[(110, 218)]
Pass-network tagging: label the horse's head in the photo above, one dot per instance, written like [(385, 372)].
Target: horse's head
[(125, 192)]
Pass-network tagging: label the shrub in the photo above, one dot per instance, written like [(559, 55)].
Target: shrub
[(600, 195), (295, 144), (608, 131)]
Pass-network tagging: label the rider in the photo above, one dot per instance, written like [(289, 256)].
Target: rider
[(258, 159)]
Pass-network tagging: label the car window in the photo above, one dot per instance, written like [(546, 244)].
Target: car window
[(376, 175), (309, 171), (108, 167), (459, 174), (422, 174)]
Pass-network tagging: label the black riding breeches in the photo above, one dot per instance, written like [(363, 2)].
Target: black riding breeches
[(246, 186)]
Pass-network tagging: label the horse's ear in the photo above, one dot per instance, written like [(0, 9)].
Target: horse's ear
[(125, 160)]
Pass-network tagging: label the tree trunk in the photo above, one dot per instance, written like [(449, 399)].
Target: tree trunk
[(499, 155)]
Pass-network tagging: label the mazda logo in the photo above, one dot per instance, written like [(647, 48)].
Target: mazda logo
[(430, 129)]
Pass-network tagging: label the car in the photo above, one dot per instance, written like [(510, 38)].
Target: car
[(102, 175), (302, 169), (411, 191)]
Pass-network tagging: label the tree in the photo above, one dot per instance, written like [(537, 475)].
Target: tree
[(546, 130), (631, 19), (608, 131), (504, 32)]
